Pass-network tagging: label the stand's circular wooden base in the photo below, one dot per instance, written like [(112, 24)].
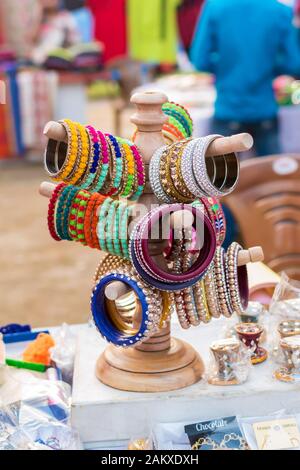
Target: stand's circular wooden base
[(140, 371)]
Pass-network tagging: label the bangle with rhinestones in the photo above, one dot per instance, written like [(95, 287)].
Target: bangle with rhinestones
[(140, 172), (222, 290), (237, 280), (149, 300)]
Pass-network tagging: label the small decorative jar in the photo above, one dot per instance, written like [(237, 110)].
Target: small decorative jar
[(250, 335)]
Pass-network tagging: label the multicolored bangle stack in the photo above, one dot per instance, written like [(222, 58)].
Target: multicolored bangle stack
[(181, 172), (96, 162), (96, 221), (179, 125), (166, 279)]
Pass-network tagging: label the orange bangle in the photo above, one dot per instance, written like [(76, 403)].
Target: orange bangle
[(90, 214)]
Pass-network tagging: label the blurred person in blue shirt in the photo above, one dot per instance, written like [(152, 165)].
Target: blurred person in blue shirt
[(246, 44)]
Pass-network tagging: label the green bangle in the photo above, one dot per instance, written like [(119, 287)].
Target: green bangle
[(102, 223), (59, 216), (109, 227)]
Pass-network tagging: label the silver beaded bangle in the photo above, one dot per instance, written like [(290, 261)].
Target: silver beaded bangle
[(187, 169), (233, 278), (154, 176), (220, 274)]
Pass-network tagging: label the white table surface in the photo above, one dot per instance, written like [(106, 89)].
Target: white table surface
[(111, 417)]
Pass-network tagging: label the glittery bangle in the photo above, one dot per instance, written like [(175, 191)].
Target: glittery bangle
[(220, 275), (212, 292), (199, 169), (149, 300), (51, 211), (237, 280), (201, 303), (154, 177)]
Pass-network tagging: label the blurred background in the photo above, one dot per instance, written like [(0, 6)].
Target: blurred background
[(235, 64)]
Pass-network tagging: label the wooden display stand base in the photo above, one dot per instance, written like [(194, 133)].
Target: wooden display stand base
[(142, 371)]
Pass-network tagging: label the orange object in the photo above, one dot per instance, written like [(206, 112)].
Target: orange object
[(38, 351)]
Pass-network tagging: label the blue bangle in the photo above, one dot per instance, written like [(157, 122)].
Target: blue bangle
[(104, 323)]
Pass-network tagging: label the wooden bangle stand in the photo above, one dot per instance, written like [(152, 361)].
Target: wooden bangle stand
[(161, 363)]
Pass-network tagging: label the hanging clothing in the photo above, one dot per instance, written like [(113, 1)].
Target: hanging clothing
[(153, 32), (188, 15), (255, 43), (110, 26)]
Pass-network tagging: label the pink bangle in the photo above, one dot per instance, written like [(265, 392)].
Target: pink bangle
[(206, 253), (216, 215)]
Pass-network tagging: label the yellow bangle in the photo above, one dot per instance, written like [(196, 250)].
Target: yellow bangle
[(83, 155), (130, 182), (72, 151)]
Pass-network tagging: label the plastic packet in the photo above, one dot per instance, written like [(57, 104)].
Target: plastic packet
[(230, 362), (140, 444), (63, 353), (284, 315), (277, 431)]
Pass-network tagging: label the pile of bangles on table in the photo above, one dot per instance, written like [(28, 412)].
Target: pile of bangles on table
[(164, 268)]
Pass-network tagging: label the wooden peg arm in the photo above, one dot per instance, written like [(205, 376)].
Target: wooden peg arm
[(56, 131), (253, 255), (223, 145), (235, 143)]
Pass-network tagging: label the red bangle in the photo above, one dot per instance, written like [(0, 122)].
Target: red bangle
[(51, 211)]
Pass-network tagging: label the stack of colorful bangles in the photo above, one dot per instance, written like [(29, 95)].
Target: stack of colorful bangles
[(152, 307), (179, 125), (181, 172), (96, 221), (144, 263), (96, 162)]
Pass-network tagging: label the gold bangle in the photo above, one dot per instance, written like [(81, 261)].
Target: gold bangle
[(211, 292), (172, 157), (179, 181)]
